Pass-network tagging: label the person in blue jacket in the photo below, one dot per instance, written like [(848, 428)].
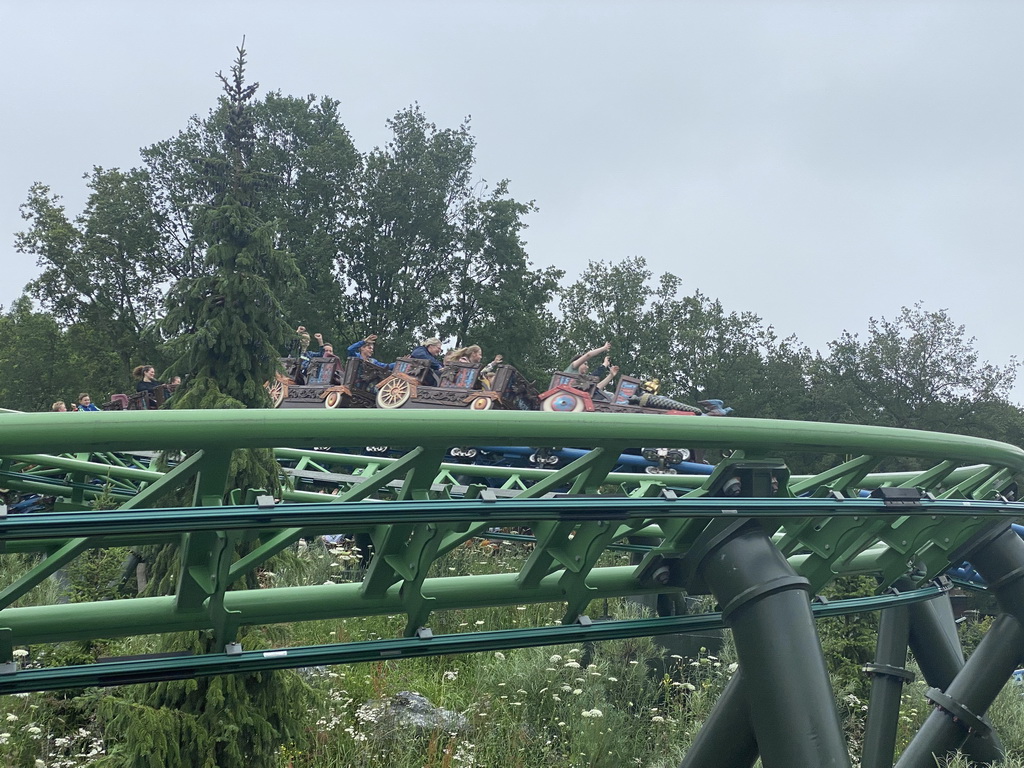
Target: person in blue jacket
[(429, 350), (85, 403), (364, 349)]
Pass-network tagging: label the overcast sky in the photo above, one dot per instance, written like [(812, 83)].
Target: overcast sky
[(817, 163)]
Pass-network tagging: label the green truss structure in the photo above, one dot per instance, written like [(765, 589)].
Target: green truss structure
[(762, 541)]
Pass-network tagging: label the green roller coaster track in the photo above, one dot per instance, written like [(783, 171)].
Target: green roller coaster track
[(763, 542)]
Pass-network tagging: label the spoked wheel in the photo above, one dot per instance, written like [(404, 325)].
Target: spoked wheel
[(333, 400), (394, 393), (481, 404), (277, 390)]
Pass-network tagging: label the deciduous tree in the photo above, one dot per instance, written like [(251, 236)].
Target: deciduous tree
[(397, 263), (496, 298), (107, 268), (920, 370)]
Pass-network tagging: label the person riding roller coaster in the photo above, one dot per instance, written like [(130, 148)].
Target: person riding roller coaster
[(428, 352), (363, 349)]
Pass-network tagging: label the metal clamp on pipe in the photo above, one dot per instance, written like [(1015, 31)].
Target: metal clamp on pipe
[(975, 724), (888, 670)]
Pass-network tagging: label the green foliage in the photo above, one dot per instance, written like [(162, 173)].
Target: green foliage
[(305, 165), (234, 721), (105, 269), (308, 167), (227, 325), (30, 346), (405, 229), (491, 280), (848, 642), (690, 343), (920, 371)]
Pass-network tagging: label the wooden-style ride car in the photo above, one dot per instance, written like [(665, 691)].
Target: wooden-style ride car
[(326, 382), (139, 401), (571, 393), (413, 384)]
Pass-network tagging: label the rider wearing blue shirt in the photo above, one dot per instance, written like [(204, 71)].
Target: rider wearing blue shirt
[(364, 349), (85, 403), (429, 351)]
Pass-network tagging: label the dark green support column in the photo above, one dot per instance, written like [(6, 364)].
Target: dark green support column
[(792, 708), (998, 555), (726, 740), (959, 712), (888, 676), (936, 647)]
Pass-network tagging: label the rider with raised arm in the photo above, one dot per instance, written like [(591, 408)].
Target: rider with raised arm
[(364, 349), (580, 366)]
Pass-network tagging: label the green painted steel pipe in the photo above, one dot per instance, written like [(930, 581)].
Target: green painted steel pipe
[(185, 430), (96, 468), (145, 615), (998, 555), (325, 515), (871, 481), (152, 615), (157, 668)]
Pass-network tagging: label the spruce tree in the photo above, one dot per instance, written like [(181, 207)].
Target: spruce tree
[(225, 326)]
